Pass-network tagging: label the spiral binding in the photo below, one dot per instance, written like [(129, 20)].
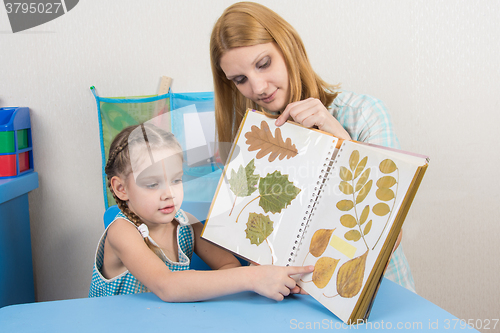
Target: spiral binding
[(328, 167)]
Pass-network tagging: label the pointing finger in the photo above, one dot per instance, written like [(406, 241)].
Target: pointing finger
[(292, 270)]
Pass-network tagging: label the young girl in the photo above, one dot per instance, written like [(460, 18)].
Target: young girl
[(259, 61), (149, 245)]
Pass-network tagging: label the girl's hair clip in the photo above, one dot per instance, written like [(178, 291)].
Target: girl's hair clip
[(143, 229)]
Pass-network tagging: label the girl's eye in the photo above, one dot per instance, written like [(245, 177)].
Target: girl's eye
[(177, 181), (153, 185)]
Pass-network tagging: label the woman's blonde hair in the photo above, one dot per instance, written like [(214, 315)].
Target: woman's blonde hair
[(248, 24)]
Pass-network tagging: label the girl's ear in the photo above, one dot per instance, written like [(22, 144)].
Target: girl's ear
[(118, 186)]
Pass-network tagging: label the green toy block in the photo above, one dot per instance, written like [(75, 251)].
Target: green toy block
[(22, 139), (7, 143)]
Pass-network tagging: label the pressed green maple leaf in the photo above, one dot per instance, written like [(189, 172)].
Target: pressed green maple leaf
[(259, 227), (276, 192), (244, 182)]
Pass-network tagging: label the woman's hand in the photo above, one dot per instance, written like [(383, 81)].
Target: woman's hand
[(311, 112), (275, 282)]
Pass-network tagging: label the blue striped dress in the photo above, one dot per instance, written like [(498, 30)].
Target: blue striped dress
[(126, 283)]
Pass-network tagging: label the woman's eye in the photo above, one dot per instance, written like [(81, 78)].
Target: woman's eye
[(266, 62), (240, 80)]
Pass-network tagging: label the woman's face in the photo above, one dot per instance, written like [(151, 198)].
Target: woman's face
[(260, 74)]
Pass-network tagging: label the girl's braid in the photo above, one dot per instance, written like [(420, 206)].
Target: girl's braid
[(111, 170)]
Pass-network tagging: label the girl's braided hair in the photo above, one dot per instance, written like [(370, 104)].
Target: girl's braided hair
[(119, 162)]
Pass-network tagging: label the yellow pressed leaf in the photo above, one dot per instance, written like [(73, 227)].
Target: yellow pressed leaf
[(350, 276), (381, 209), (360, 167), (367, 228), (319, 241), (352, 235), (323, 271), (362, 180), (353, 160), (364, 215), (345, 205), (387, 166), (348, 221), (364, 192), (385, 194), (386, 182), (346, 188), (345, 174)]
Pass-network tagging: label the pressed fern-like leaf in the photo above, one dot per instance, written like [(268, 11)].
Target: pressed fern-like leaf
[(263, 140), (356, 182)]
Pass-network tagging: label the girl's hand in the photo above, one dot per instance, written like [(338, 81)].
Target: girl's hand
[(311, 112), (274, 281)]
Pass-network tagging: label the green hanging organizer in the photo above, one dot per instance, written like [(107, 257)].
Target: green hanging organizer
[(116, 113)]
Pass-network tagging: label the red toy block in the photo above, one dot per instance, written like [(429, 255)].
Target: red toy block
[(8, 165)]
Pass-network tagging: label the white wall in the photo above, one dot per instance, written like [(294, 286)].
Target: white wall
[(434, 63)]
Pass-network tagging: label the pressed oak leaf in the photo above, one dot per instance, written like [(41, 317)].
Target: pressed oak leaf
[(262, 139), (259, 227), (350, 276), (276, 192), (244, 182)]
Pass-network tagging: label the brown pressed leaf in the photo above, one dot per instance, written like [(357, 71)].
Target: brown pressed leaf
[(352, 235), (348, 221), (323, 271), (386, 182), (319, 241), (346, 188), (387, 166), (385, 194), (263, 140), (381, 209), (364, 215), (345, 205), (364, 192), (353, 159), (350, 276)]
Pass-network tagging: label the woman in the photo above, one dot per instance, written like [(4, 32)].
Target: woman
[(259, 61)]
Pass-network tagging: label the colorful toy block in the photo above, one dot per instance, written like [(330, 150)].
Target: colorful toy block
[(16, 148)]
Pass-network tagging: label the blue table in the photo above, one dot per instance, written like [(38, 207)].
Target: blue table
[(16, 268), (394, 308)]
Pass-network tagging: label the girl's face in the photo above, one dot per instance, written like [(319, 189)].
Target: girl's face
[(260, 74), (156, 193)]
